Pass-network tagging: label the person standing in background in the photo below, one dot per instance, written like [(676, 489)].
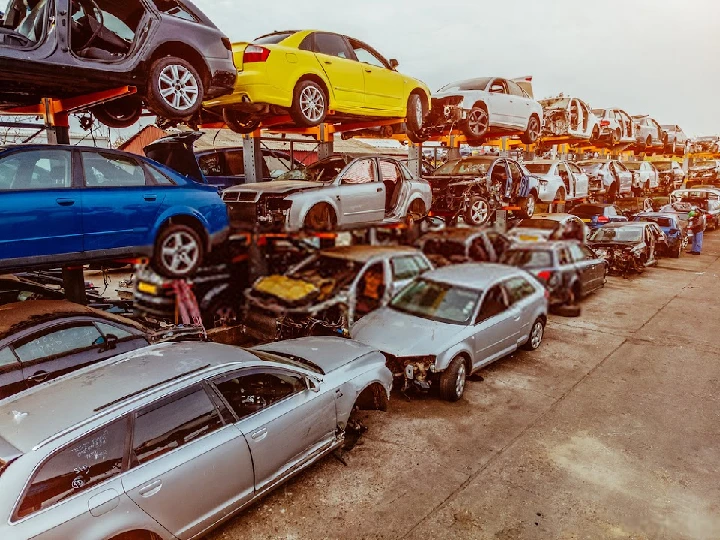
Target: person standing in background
[(697, 226)]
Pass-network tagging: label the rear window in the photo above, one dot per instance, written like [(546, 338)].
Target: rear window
[(273, 39), (588, 210), (527, 258)]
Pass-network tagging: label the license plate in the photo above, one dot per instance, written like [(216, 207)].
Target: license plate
[(526, 238), (587, 220), (148, 288)]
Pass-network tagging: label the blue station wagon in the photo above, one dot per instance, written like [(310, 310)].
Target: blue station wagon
[(68, 205)]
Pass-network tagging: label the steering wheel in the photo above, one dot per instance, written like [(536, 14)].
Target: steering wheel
[(100, 21)]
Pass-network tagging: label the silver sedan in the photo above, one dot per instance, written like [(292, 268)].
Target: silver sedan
[(453, 321)]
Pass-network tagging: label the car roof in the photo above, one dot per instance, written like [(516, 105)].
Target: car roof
[(656, 214), (20, 315), (472, 276), (363, 254), (553, 216), (31, 417)]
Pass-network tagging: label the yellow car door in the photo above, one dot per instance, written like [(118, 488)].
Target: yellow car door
[(384, 87), (344, 73)]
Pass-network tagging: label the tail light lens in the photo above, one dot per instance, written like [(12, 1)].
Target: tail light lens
[(545, 275), (227, 43), (604, 123), (603, 219), (255, 53)]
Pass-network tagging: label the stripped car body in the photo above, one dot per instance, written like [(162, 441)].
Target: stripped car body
[(616, 126), (608, 176), (546, 227), (704, 172), (645, 176), (330, 291), (559, 180), (335, 193), (475, 187), (677, 140), (710, 145), (649, 135), (628, 247), (486, 107), (674, 228), (571, 117), (672, 175), (463, 245)]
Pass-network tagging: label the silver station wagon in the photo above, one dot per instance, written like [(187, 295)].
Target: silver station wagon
[(170, 440)]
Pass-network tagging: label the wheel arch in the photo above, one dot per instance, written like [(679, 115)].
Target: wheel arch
[(324, 84), (374, 397), (460, 350), (191, 219), (184, 51), (306, 208)]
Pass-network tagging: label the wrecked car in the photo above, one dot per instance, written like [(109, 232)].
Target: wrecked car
[(704, 172), (645, 176), (485, 107), (672, 175), (332, 194), (475, 187), (628, 247), (677, 141), (569, 270), (609, 177), (453, 321), (596, 215), (463, 245), (674, 228), (169, 50), (329, 292), (616, 126), (705, 199), (706, 145), (559, 180), (544, 227), (649, 135), (571, 117), (222, 425)]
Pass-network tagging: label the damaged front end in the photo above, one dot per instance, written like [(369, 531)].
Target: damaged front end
[(253, 211), (409, 372), (445, 113), (623, 260), (557, 123)]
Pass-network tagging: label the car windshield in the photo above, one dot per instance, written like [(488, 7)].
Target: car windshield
[(555, 103), (663, 165), (444, 247), (544, 224), (323, 171), (588, 210), (527, 258), (471, 167), (617, 234), (440, 302), (539, 168), (661, 221), (326, 267), (472, 84), (273, 39)]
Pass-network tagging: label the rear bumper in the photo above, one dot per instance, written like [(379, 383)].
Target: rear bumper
[(251, 92), (222, 77)]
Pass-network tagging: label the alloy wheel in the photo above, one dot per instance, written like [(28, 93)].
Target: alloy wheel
[(180, 253), (534, 129), (478, 122), (312, 104), (537, 335), (179, 87), (479, 212), (460, 380)]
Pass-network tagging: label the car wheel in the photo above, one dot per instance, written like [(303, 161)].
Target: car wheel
[(675, 254), (222, 312), (476, 125), (417, 109), (477, 212), (536, 335), (320, 218), (119, 113), (310, 104), (175, 89), (179, 252), (527, 206), (453, 379), (239, 122), (532, 133)]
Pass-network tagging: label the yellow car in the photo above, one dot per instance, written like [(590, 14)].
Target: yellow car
[(310, 74)]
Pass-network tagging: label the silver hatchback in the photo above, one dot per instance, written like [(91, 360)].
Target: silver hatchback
[(170, 440)]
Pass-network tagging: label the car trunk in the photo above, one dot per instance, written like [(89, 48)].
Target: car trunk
[(176, 152)]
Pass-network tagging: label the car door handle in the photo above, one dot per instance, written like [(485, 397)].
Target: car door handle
[(368, 71), (65, 202), (259, 435), (150, 198), (40, 376), (379, 190), (328, 62), (151, 489)]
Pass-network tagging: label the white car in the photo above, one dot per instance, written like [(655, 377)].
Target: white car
[(566, 116), (648, 133), (559, 180), (485, 107), (645, 175), (611, 177), (677, 140), (616, 126)]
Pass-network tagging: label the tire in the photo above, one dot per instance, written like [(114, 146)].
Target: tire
[(477, 212), (477, 123), (417, 109), (119, 113), (221, 312), (179, 252), (675, 254), (453, 380), (320, 218), (532, 133), (239, 122), (310, 104), (185, 100), (527, 206), (536, 335)]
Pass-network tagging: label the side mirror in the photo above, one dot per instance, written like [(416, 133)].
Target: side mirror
[(312, 384), (394, 63), (109, 343)]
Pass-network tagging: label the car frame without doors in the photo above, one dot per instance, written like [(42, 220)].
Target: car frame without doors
[(559, 180)]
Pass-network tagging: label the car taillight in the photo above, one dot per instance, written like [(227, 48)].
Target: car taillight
[(604, 123), (545, 275), (255, 53), (603, 219), (227, 43)]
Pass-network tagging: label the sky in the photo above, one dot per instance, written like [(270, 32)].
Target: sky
[(656, 57)]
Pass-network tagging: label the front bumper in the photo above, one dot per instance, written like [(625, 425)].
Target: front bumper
[(258, 215)]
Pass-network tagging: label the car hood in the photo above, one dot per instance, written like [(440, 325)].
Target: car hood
[(277, 186), (328, 353), (402, 335)]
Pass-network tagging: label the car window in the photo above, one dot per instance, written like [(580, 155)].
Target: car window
[(494, 303), (515, 89), (107, 170), (176, 9), (360, 172), (276, 38), (332, 45), (515, 171), (254, 391), (404, 268), (367, 57), (518, 289), (527, 258), (610, 211), (577, 253), (422, 264), (497, 87), (7, 358), (499, 242), (390, 172), (83, 464), (116, 331), (59, 342), (168, 426), (478, 251), (46, 169), (160, 178)]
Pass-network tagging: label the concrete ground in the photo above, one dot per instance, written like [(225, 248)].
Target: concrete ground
[(609, 430)]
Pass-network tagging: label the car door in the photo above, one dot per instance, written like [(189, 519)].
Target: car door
[(520, 294), (587, 267), (190, 465), (500, 103), (11, 374), (384, 87), (286, 420), (494, 327), (521, 105), (120, 202), (40, 208), (581, 181), (345, 73), (404, 269), (624, 177), (362, 196)]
